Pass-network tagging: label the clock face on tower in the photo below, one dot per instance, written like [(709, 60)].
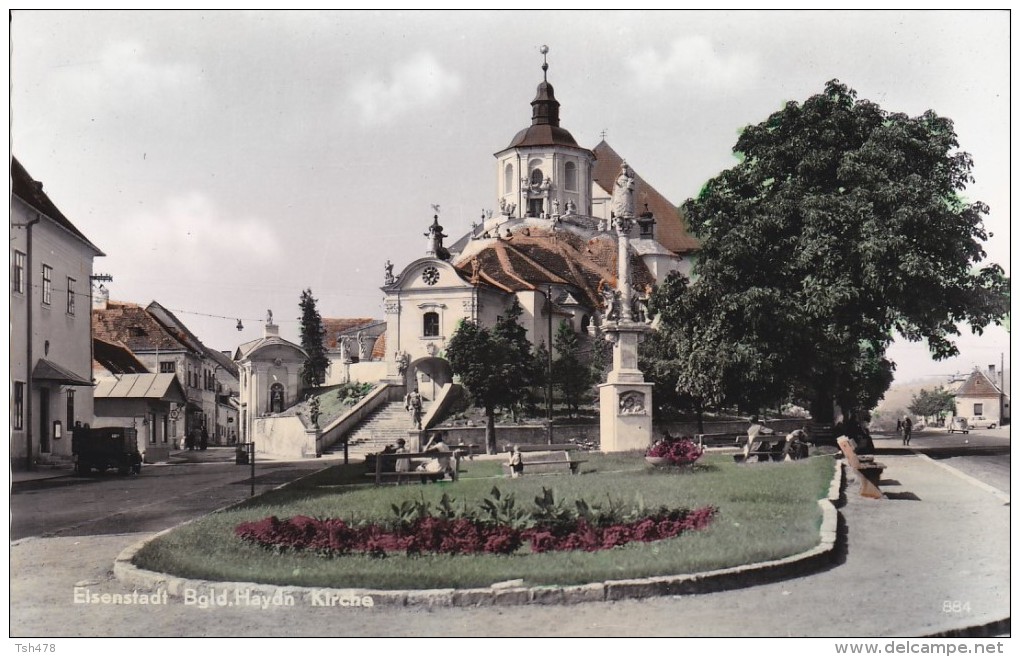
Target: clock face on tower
[(430, 276)]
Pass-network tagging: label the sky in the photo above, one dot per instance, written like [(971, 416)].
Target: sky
[(226, 160)]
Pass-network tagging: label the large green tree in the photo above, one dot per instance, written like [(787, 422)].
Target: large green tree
[(313, 372), (495, 366), (570, 374), (842, 225)]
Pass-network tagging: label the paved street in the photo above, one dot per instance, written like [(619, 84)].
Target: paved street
[(162, 496), (937, 541)]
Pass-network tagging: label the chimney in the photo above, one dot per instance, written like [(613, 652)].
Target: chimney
[(991, 372), (101, 298)]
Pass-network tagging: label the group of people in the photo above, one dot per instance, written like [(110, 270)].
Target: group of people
[(432, 469), (196, 438)]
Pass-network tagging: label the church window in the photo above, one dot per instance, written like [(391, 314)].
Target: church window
[(570, 176), (536, 177), (430, 325), (508, 179)]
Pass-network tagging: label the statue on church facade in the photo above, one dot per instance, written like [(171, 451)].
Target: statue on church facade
[(623, 194), (390, 278), (403, 361), (269, 317), (571, 207), (556, 207)]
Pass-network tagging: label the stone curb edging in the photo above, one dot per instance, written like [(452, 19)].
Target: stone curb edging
[(247, 593)]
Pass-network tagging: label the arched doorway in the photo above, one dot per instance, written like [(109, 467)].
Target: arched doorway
[(429, 374)]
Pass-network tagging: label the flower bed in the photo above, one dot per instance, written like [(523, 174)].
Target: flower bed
[(334, 537), (675, 451), (551, 526)]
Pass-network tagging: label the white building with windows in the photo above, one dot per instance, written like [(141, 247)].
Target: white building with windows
[(51, 340), (551, 245)]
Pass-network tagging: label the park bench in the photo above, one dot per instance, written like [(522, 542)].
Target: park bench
[(869, 472), (385, 471), (545, 461), (762, 447)]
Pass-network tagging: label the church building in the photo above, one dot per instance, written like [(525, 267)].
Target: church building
[(551, 245)]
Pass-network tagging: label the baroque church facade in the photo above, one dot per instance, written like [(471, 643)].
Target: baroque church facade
[(551, 245)]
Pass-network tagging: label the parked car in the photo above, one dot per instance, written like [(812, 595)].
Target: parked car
[(108, 448), (958, 424), (981, 422)]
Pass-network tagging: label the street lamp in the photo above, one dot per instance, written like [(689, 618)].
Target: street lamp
[(549, 378)]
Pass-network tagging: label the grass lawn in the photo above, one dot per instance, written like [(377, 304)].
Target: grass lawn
[(766, 511)]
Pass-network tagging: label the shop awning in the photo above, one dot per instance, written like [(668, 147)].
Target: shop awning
[(47, 370), (164, 387)]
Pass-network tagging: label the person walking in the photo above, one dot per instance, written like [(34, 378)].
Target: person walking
[(907, 425), (203, 443), (412, 402)]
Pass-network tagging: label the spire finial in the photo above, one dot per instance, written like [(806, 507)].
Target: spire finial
[(545, 65)]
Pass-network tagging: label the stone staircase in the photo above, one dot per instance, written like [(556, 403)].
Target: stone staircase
[(383, 427)]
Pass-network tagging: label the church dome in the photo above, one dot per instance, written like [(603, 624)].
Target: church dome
[(545, 127)]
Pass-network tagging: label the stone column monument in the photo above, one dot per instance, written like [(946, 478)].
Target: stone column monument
[(625, 399)]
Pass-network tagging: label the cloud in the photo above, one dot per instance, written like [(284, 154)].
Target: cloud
[(413, 84), (692, 62), (125, 78), (189, 239)]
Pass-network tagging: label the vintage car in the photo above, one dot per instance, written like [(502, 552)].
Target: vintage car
[(981, 422)]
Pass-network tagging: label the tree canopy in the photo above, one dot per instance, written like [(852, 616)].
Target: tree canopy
[(313, 372), (496, 367), (572, 376), (842, 225), (933, 403)]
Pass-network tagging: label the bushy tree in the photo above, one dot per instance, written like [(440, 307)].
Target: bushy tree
[(842, 225), (933, 403), (496, 367), (313, 372), (570, 374)]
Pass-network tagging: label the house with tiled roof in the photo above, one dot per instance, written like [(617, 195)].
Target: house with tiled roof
[(552, 246), (50, 341), (981, 396), (164, 345), (355, 347)]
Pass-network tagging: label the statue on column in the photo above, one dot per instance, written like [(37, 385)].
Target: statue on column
[(622, 205), (269, 317)]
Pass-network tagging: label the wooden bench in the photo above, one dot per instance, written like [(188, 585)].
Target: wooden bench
[(555, 447), (546, 462), (383, 473), (761, 447), (869, 471)]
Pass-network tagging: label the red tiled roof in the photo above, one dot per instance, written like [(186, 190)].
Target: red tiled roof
[(978, 385), (131, 325), (670, 227), (337, 325), (526, 262), (379, 349)]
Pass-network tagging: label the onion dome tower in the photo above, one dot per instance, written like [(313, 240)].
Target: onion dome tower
[(543, 172)]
